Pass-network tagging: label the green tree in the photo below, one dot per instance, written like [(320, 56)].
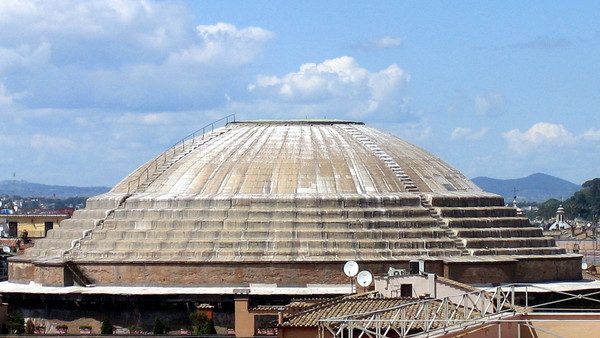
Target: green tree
[(209, 327), (160, 327), (201, 324), (15, 323), (107, 327), (586, 202), (547, 209)]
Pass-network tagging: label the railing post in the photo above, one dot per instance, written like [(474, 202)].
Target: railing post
[(512, 296)]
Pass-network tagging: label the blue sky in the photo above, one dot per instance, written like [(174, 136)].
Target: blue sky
[(90, 90)]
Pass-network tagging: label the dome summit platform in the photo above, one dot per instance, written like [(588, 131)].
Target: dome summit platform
[(289, 202)]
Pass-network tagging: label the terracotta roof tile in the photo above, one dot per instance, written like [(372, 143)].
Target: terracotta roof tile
[(269, 308)]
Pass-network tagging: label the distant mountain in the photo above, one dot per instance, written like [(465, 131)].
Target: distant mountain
[(533, 188), (27, 189)]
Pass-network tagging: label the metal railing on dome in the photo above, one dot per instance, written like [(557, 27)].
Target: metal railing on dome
[(188, 142)]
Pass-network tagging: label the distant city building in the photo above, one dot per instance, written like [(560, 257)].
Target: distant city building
[(560, 223), (34, 224)]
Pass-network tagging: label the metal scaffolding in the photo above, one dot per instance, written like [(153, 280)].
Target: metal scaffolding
[(429, 315), (434, 317)]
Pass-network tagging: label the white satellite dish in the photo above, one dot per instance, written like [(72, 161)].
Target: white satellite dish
[(584, 266), (351, 268), (6, 249), (364, 278)]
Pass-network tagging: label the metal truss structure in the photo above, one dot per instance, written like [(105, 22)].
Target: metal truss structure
[(436, 317)]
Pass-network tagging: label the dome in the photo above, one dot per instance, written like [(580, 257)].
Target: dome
[(302, 158), (296, 195)]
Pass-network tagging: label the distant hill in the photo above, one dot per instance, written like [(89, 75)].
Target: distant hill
[(533, 188), (27, 189)]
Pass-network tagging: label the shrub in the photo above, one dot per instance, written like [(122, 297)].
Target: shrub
[(160, 327), (201, 324), (15, 323), (106, 327)]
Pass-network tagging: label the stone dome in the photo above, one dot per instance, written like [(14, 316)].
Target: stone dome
[(285, 192), (303, 159)]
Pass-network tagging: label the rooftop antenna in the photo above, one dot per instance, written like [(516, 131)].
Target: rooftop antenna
[(351, 269), (364, 279)]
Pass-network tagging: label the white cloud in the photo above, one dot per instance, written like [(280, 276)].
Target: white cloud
[(541, 136), (338, 86), (462, 133), (488, 104), (224, 45), (592, 135), (146, 119), (386, 42), (50, 143), (133, 53), (5, 97)]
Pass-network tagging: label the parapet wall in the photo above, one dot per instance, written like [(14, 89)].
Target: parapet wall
[(474, 270)]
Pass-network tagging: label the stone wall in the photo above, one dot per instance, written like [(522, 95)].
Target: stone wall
[(540, 268), (466, 270), (189, 274), (518, 269)]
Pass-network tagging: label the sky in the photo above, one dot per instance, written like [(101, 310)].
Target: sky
[(90, 90)]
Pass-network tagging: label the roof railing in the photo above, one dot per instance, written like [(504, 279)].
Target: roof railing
[(179, 147)]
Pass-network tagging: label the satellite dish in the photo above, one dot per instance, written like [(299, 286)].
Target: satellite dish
[(6, 249), (364, 278), (351, 268), (584, 266)]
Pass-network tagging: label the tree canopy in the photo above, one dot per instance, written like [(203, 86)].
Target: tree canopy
[(585, 203)]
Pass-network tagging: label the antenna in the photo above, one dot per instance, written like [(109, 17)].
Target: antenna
[(364, 278)]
